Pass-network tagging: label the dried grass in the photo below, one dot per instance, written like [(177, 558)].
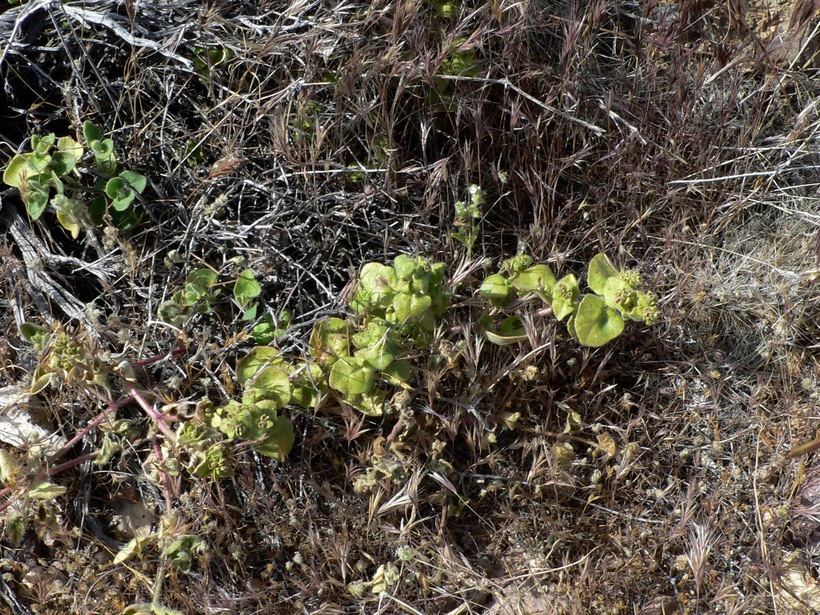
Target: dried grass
[(674, 137)]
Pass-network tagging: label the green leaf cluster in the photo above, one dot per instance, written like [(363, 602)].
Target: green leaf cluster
[(245, 292), (62, 359), (196, 297), (409, 295), (50, 175), (255, 418), (593, 319)]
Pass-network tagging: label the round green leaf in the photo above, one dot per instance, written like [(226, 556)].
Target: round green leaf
[(410, 308), (538, 278), (278, 439), (376, 289), (136, 181), (405, 266), (596, 323), (246, 288), (261, 356), (619, 295), (201, 279), (564, 295), (22, 168), (600, 270), (330, 339), (120, 193), (36, 198), (91, 132), (511, 331), (371, 404), (307, 384), (271, 384), (351, 376), (496, 288)]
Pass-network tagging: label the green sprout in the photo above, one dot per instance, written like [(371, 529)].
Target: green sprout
[(50, 176)]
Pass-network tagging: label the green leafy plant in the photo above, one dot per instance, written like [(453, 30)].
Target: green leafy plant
[(600, 317), (197, 296), (468, 219), (50, 175), (593, 319), (266, 328)]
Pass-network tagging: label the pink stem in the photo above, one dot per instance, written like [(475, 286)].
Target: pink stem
[(168, 488), (149, 410)]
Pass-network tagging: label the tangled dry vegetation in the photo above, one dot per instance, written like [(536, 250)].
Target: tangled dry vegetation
[(303, 139)]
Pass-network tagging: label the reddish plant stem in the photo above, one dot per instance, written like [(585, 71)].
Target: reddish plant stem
[(176, 351), (171, 492), (85, 430), (51, 472), (149, 410)]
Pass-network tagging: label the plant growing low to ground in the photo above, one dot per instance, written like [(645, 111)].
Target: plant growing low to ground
[(409, 308)]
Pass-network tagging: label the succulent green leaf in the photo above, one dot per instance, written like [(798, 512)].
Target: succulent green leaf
[(96, 210), (182, 551), (516, 264), (352, 376), (619, 295), (410, 308), (306, 385), (70, 146), (538, 279), (136, 181), (496, 288), (201, 279), (398, 372), (19, 170), (40, 381), (62, 163), (103, 148), (330, 339), (600, 270), (571, 327), (646, 309), (36, 197), (246, 288), (376, 288), (377, 344), (213, 463), (270, 384), (371, 404), (91, 132), (41, 145), (120, 193), (257, 359), (69, 212), (35, 334), (278, 439), (267, 330), (405, 266), (596, 323), (250, 314), (564, 296), (511, 331)]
